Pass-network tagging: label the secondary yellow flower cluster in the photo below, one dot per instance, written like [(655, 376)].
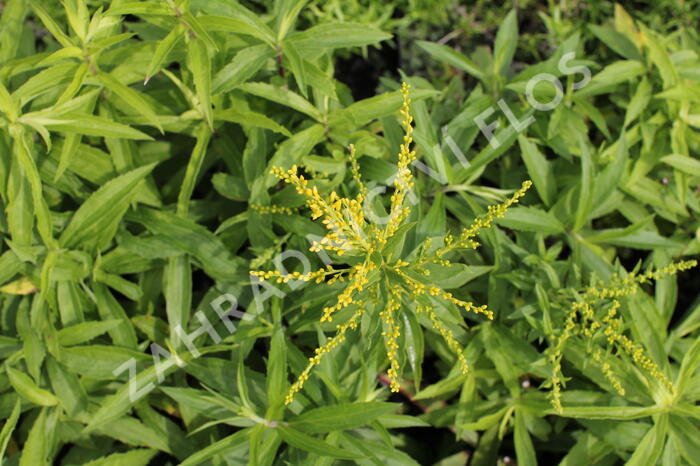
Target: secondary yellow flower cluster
[(374, 271), (391, 334), (272, 209), (583, 321), (317, 275), (466, 238), (337, 339), (356, 283)]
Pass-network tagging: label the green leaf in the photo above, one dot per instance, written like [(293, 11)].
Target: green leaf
[(683, 163), (619, 72), (341, 417), (616, 41), (131, 97), (244, 65), (610, 412), (415, 348), (539, 169), (689, 365), (29, 390), (276, 382), (362, 112), (635, 239), (307, 443), (524, 449), (41, 209), (245, 23), (219, 447), (652, 445), (84, 332), (250, 118), (140, 8), (660, 58), (283, 97), (451, 57), (163, 49), (203, 135), (99, 361), (137, 457), (187, 236), (11, 27), (640, 101), (684, 435), (338, 35), (68, 151), (296, 64), (506, 42), (88, 125), (447, 385), (67, 386), (117, 404), (200, 67), (45, 81), (8, 105), (9, 427), (95, 222), (585, 193), (53, 27), (531, 219), (177, 279), (110, 309), (38, 446)]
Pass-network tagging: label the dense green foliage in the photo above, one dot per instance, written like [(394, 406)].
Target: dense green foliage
[(194, 198)]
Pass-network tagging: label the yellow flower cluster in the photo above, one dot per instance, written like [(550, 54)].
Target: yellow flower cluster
[(447, 336), (336, 340), (272, 209), (355, 167), (403, 181), (583, 321), (356, 282), (466, 238), (391, 335), (317, 275), (348, 232)]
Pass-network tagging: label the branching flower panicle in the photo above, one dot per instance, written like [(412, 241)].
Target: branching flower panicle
[(373, 270), (606, 328)]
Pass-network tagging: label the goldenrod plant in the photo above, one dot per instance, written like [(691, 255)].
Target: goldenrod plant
[(379, 275), (290, 232)]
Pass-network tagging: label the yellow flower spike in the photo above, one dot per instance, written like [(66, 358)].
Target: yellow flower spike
[(355, 167), (607, 371), (315, 275), (465, 239), (449, 338), (272, 209), (391, 335), (321, 351), (358, 279), (403, 182)]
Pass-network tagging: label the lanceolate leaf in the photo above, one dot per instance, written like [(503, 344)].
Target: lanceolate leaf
[(200, 66), (341, 417), (28, 389), (306, 442), (94, 224)]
